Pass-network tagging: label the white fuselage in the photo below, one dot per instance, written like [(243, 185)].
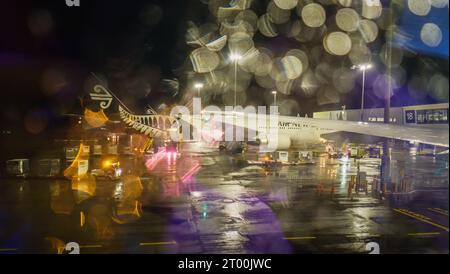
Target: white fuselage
[(296, 133), (304, 135), (287, 130)]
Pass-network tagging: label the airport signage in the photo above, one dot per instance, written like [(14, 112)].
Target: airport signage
[(410, 116)]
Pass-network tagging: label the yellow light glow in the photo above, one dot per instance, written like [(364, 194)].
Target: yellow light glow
[(85, 184), (57, 244), (82, 219), (95, 119), (106, 164), (72, 170)]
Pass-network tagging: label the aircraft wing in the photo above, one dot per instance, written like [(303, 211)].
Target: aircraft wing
[(432, 136)]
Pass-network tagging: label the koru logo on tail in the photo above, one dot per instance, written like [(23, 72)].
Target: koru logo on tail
[(101, 94), (73, 3)]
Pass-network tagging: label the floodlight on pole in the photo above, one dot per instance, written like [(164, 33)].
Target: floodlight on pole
[(363, 68), (235, 58), (198, 86), (274, 97)]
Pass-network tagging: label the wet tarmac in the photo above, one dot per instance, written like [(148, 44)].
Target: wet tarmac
[(212, 202)]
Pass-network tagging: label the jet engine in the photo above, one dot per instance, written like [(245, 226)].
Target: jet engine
[(275, 142)]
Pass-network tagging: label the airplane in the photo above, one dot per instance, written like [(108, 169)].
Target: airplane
[(278, 132), (285, 132)]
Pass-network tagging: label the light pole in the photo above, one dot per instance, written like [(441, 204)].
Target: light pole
[(198, 86), (363, 68), (235, 58), (274, 97)]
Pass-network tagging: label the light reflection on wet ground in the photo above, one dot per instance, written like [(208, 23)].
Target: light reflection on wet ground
[(211, 203)]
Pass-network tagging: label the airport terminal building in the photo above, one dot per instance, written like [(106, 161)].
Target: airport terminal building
[(434, 115)]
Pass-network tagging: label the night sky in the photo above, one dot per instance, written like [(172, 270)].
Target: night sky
[(134, 44), (114, 38)]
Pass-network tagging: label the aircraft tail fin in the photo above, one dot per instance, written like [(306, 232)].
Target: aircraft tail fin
[(104, 96)]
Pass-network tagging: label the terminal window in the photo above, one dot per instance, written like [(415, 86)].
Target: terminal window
[(432, 116)]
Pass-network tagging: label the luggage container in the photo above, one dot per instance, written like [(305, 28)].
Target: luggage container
[(49, 167), (18, 167)]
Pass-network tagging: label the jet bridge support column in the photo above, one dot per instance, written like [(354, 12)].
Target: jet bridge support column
[(386, 158), (385, 178)]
